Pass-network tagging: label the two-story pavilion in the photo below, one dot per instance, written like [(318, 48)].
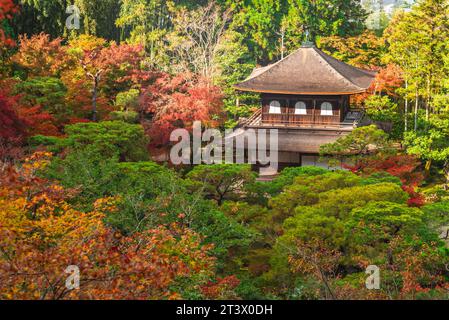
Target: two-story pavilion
[(307, 97)]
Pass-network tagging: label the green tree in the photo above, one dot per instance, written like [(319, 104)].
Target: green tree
[(50, 17), (108, 138), (128, 104), (222, 181), (329, 215), (144, 22), (384, 109), (260, 21), (305, 190), (147, 195), (436, 215), (361, 142), (431, 144), (377, 223), (98, 17), (47, 92), (417, 45), (233, 64), (42, 16), (323, 18), (363, 51), (288, 176)]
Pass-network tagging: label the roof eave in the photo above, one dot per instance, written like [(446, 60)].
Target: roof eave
[(300, 92)]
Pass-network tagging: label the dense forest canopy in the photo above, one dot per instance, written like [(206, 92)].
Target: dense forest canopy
[(86, 116)]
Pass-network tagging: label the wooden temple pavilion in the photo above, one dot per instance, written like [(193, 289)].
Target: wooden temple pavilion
[(306, 96)]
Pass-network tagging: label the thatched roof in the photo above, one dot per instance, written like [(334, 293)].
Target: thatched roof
[(308, 70)]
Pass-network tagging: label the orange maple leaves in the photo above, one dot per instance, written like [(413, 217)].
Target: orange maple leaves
[(40, 55), (41, 234)]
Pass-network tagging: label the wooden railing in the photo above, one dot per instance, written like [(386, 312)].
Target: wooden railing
[(315, 118)]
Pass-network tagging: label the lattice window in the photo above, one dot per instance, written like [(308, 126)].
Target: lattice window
[(326, 109), (300, 108), (275, 107)]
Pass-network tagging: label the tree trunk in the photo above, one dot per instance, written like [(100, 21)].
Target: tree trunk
[(326, 283), (416, 108), (406, 107), (428, 98), (94, 100), (446, 186), (427, 167), (446, 172)]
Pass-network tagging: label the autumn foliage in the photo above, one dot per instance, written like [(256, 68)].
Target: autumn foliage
[(41, 234), (405, 167), (34, 119), (86, 183), (222, 288), (11, 124), (18, 121), (40, 55), (7, 9), (176, 102), (388, 80)]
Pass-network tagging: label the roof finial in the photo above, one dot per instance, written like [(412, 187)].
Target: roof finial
[(306, 43)]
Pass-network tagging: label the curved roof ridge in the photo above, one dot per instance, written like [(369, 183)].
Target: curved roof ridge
[(337, 64), (332, 68), (367, 72), (260, 71)]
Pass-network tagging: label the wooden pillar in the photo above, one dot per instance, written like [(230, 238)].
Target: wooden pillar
[(341, 108)]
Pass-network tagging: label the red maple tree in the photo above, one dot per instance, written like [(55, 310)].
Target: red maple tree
[(388, 80), (221, 289), (11, 125), (403, 166), (177, 102), (7, 9), (18, 121), (113, 65)]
